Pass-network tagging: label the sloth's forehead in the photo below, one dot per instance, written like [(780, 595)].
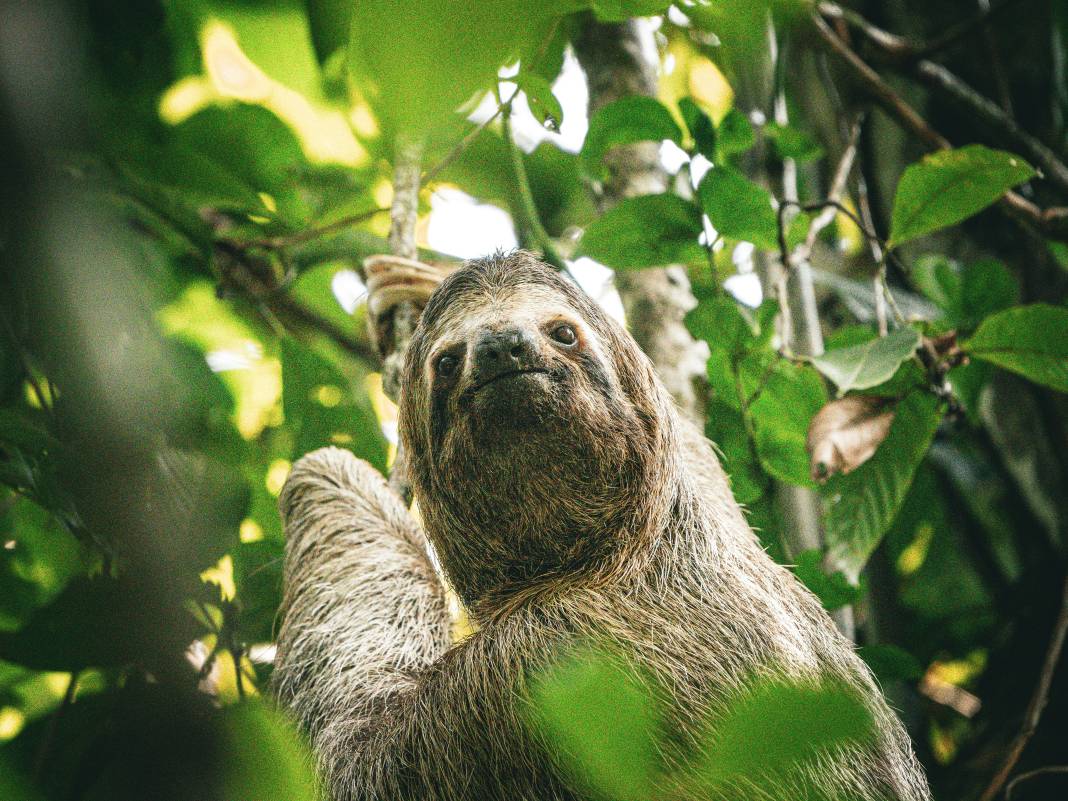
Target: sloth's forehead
[(479, 309)]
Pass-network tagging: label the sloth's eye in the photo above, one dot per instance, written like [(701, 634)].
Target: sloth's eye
[(446, 366), (564, 334)]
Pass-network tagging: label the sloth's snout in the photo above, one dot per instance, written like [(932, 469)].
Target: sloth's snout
[(498, 353)]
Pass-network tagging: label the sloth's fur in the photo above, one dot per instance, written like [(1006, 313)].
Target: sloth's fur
[(566, 505)]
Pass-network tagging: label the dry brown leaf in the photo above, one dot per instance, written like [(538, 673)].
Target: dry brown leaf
[(845, 433)]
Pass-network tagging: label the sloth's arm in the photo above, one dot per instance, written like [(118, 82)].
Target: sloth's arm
[(364, 612)]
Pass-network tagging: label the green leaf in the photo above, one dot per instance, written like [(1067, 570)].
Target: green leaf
[(793, 143), (320, 404), (781, 413), (631, 119), (738, 208), (645, 231), (543, 103), (1029, 340), (603, 720), (733, 136), (890, 662), (622, 10), (265, 755), (868, 364), (766, 734), (965, 294), (952, 185), (702, 130), (834, 590), (861, 505)]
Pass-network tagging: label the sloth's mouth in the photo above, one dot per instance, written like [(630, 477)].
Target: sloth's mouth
[(508, 374)]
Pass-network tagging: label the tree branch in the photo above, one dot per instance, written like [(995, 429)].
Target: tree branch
[(1038, 701), (1052, 222), (939, 77), (237, 271)]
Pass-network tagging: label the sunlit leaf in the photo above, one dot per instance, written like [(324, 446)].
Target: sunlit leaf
[(631, 119), (1029, 340), (622, 10), (949, 186), (738, 208), (541, 100), (868, 364), (603, 721), (776, 727), (645, 231)]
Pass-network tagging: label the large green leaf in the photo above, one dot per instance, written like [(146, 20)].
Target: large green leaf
[(861, 505), (738, 208), (1029, 340), (791, 396), (952, 185), (622, 10), (870, 363), (423, 59), (772, 730), (604, 722), (645, 231), (265, 756), (631, 119)]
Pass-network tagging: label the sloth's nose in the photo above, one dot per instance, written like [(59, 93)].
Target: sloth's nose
[(498, 352)]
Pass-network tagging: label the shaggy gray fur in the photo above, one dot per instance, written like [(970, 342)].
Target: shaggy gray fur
[(568, 504)]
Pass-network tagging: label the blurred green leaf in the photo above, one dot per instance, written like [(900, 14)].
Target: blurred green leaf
[(321, 406), (738, 208), (868, 364), (541, 100), (965, 294), (702, 130), (949, 186), (734, 135), (631, 119), (1029, 340), (418, 71), (265, 756), (861, 505), (93, 623), (833, 589), (622, 10), (891, 662), (774, 728), (793, 143), (603, 720), (645, 231)]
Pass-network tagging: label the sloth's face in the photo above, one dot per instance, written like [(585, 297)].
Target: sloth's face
[(531, 422), (511, 363)]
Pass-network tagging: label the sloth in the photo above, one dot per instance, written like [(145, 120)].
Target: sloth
[(567, 501)]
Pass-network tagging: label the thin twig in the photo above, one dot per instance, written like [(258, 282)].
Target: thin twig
[(1052, 222), (1032, 774), (282, 242), (236, 272), (835, 191), (987, 110), (531, 224), (1039, 698), (464, 143), (956, 32)]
